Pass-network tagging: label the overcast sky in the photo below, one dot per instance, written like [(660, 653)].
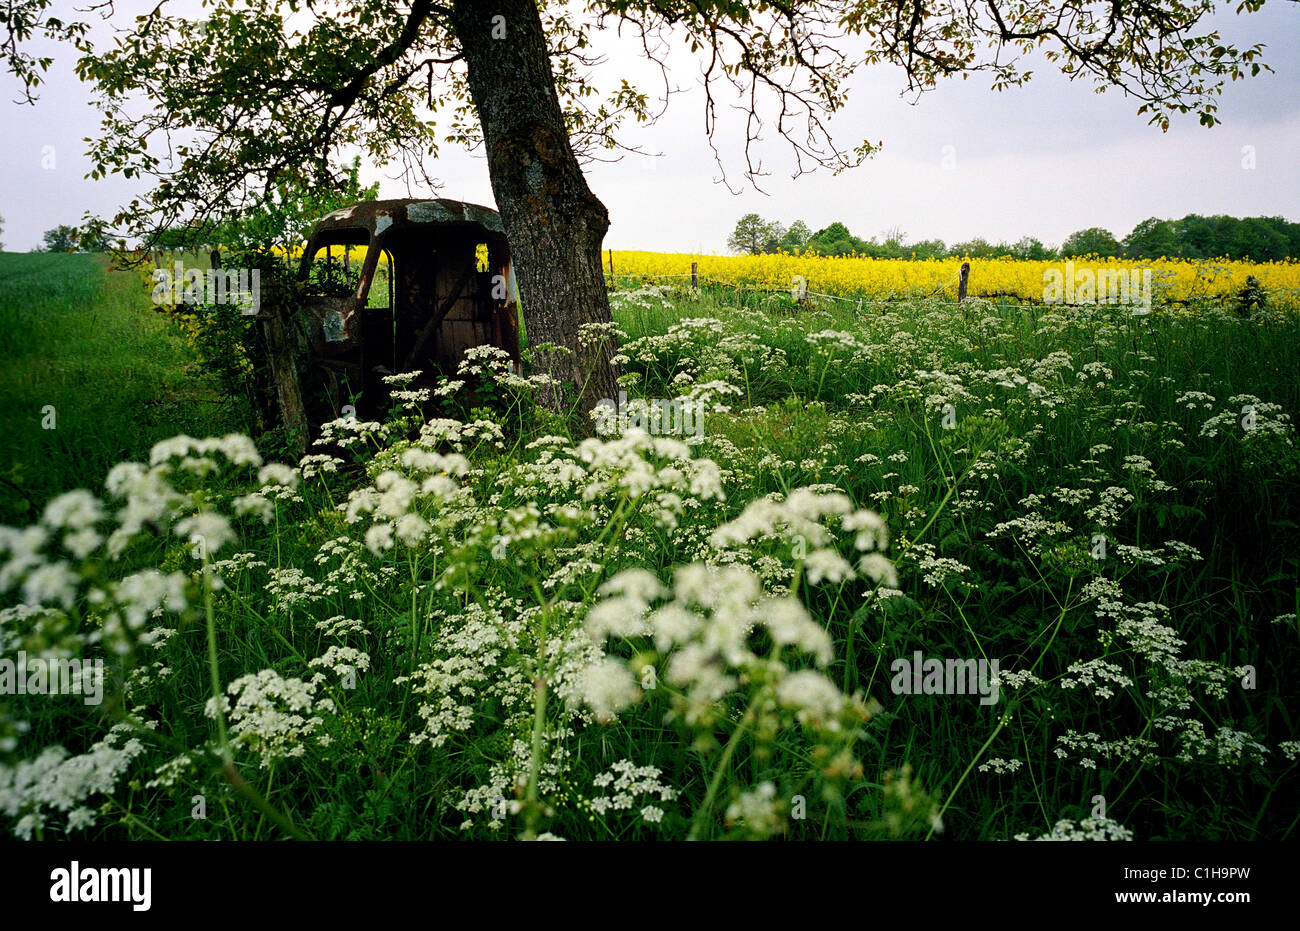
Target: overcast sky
[(1042, 160)]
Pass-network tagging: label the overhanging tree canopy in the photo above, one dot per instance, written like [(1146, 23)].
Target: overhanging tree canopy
[(219, 109)]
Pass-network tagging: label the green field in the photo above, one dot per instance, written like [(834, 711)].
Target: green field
[(86, 342), (491, 629)]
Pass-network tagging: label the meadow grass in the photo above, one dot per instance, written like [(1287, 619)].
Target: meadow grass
[(86, 341), (479, 626)]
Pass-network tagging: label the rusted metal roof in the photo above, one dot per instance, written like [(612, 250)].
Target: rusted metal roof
[(377, 216)]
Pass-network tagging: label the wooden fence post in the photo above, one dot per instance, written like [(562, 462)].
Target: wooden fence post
[(611, 265), (961, 286), (695, 274)]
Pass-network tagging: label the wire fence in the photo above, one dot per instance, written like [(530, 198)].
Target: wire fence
[(800, 292)]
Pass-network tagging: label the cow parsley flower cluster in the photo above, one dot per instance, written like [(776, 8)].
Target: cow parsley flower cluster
[(274, 716)]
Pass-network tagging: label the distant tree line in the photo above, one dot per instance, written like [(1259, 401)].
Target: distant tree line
[(1261, 239), (64, 238)]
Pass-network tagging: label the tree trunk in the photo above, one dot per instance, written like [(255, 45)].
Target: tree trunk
[(554, 222)]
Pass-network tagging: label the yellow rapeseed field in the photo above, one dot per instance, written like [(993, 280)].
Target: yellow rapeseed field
[(1172, 280), (883, 279)]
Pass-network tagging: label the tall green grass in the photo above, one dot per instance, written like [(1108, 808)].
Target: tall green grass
[(1240, 512), (904, 412), (84, 340)]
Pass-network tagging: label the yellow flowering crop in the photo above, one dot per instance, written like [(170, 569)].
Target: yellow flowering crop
[(883, 279), (860, 277)]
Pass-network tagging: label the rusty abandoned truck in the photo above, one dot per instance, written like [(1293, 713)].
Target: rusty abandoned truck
[(435, 280)]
